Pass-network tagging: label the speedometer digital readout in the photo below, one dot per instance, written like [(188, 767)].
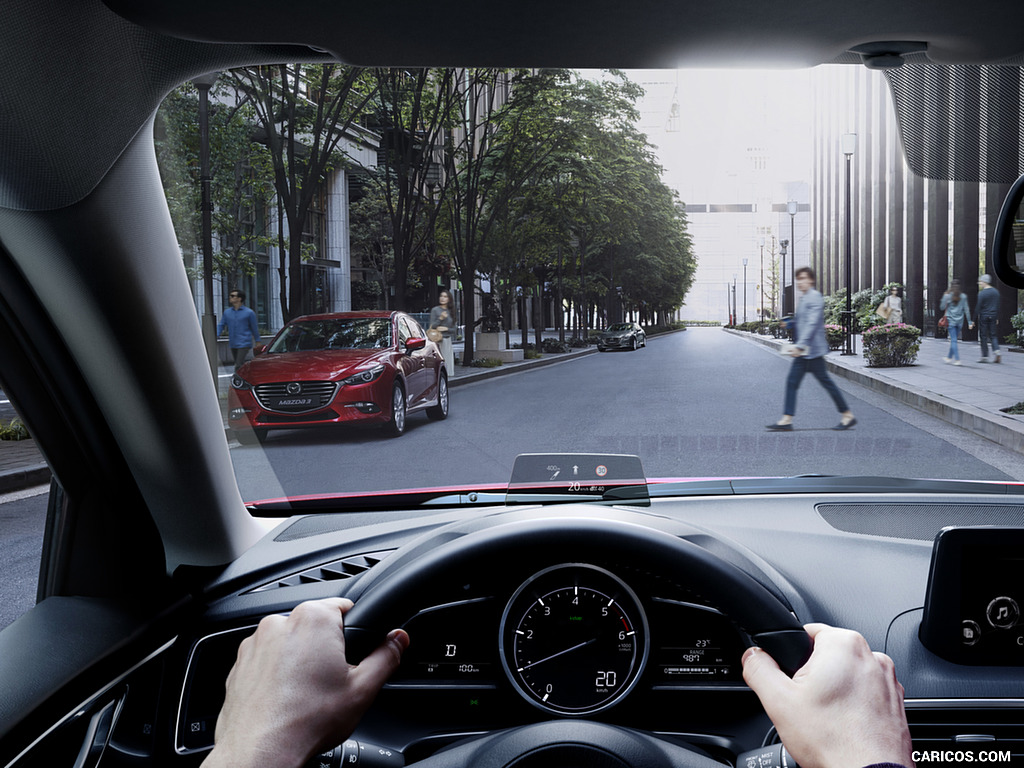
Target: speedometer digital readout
[(574, 639)]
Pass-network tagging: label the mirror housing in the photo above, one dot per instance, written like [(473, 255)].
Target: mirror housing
[(1003, 239), (411, 345)]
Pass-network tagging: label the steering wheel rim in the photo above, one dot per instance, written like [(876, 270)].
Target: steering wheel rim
[(440, 563), (560, 743)]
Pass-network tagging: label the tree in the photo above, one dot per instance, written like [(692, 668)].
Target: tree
[(371, 241), (413, 111), (240, 183), (303, 112)]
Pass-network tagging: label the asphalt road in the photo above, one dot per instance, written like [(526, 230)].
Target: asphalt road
[(691, 404)]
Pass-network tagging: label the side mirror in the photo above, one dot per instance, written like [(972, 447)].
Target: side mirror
[(261, 349), (411, 345), (1003, 241)]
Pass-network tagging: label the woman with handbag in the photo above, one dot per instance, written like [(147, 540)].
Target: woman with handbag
[(892, 308), (442, 328), (956, 312)]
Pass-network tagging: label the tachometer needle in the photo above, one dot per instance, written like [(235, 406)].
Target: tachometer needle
[(560, 653)]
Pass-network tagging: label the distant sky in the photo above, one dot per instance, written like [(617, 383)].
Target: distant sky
[(723, 115)]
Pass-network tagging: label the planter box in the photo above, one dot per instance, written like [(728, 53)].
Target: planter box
[(493, 345)]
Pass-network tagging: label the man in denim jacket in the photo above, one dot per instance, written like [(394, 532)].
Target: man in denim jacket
[(809, 354)]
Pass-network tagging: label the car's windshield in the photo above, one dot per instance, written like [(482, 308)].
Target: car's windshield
[(350, 333), (519, 218)]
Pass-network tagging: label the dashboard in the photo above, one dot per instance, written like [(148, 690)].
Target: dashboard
[(528, 631)]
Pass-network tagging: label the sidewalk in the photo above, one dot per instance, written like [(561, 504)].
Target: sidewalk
[(969, 396)]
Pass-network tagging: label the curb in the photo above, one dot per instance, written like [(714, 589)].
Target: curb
[(19, 479), (501, 370), (1007, 432)]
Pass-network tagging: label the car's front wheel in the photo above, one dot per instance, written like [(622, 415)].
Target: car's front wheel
[(632, 344), (440, 411), (398, 411)]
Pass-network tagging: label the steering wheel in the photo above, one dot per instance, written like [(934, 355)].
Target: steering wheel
[(389, 596)]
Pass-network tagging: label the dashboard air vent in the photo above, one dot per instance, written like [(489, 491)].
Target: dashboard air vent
[(336, 570)]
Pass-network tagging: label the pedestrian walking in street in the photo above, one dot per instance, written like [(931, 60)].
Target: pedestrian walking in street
[(808, 354), (956, 311), (987, 311), (243, 330), (894, 304), (442, 321)]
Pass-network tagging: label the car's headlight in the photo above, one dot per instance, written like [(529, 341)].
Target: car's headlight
[(237, 382), (365, 377)]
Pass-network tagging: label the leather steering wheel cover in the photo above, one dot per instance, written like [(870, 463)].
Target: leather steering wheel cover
[(406, 585)]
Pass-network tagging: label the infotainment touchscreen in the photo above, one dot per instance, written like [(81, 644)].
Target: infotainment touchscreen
[(975, 597)]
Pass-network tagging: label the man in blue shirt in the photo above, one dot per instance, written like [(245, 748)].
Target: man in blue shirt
[(243, 330), (987, 313)]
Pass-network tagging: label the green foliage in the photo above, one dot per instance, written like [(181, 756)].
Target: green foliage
[(576, 343), (367, 294), (835, 336), (1017, 410), (15, 429), (241, 182), (554, 346), (702, 323), (863, 303), (892, 345), (486, 362), (1017, 321)]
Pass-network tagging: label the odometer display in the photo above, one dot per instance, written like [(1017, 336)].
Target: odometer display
[(574, 639)]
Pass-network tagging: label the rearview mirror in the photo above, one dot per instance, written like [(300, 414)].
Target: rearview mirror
[(1008, 239)]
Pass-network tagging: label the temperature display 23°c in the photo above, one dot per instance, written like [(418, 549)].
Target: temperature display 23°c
[(574, 639)]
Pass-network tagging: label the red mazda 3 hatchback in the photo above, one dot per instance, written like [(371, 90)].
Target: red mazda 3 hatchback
[(339, 368)]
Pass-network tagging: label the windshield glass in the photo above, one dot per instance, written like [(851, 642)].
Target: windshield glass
[(809, 306), (315, 335)]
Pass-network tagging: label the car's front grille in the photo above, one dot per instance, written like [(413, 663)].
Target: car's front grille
[(295, 396)]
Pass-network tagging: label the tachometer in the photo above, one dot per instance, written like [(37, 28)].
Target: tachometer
[(574, 639)]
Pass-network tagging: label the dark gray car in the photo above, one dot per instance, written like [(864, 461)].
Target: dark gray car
[(622, 336)]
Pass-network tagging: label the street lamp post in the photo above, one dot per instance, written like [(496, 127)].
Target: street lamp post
[(783, 245), (209, 325), (762, 280), (791, 209), (734, 313), (848, 143), (744, 290)]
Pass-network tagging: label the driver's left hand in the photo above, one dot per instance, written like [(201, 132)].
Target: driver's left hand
[(291, 691)]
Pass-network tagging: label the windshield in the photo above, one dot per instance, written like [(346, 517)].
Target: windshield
[(315, 335), (809, 306)]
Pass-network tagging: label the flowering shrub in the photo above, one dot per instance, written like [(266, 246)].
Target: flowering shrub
[(835, 336), (889, 346)]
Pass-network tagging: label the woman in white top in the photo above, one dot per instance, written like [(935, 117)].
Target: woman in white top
[(895, 305)]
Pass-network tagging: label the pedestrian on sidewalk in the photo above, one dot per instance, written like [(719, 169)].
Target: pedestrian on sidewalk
[(895, 305), (442, 320), (808, 354), (957, 312), (243, 330), (987, 311)]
